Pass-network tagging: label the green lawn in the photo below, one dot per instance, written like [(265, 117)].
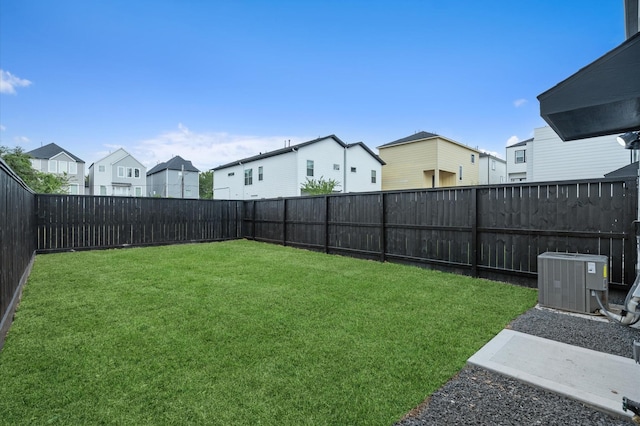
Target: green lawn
[(239, 333)]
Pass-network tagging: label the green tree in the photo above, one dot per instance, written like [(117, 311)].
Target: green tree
[(320, 186), (20, 163), (206, 185)]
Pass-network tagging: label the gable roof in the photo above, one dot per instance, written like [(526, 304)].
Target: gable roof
[(116, 156), (50, 151), (366, 148), (294, 148), (521, 143), (415, 137), (628, 171), (176, 163)]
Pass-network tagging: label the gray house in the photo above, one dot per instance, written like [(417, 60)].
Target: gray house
[(53, 159), (176, 178)]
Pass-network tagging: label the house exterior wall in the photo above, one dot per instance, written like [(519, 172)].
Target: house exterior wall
[(168, 183), (60, 164), (491, 170), (407, 163), (284, 174), (421, 164), (554, 159), (517, 172), (452, 157), (116, 175), (365, 166), (324, 155), (549, 158), (279, 179)]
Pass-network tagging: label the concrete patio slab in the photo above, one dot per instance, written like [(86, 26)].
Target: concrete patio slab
[(594, 378)]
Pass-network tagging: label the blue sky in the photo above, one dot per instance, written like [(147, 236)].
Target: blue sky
[(216, 81)]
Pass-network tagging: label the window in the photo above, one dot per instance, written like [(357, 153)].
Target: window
[(35, 164), (353, 170), (493, 164), (63, 167), (309, 167), (373, 176), (138, 190), (336, 167), (248, 177), (460, 173), (129, 172), (521, 156), (73, 168), (53, 166), (103, 190), (260, 174), (473, 158), (136, 173), (120, 171), (101, 168), (230, 174), (73, 188)]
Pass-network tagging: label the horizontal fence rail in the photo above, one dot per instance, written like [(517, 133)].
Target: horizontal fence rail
[(84, 222), (486, 231)]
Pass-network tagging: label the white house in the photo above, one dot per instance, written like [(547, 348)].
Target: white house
[(51, 158), (546, 157), (491, 169), (118, 174), (281, 173), (517, 157)]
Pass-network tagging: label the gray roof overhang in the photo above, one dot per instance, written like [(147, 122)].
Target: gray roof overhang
[(602, 98)]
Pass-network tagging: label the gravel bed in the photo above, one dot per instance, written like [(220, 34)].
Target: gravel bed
[(481, 397)]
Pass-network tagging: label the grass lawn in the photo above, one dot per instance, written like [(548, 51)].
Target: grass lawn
[(239, 333)]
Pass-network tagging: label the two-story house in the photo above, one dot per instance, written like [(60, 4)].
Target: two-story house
[(428, 160), (282, 173), (51, 158), (176, 178), (119, 174), (491, 169), (546, 157), (517, 157)]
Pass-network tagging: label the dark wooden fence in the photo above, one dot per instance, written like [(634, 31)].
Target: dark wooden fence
[(87, 222), (494, 232), (486, 231), (17, 242)]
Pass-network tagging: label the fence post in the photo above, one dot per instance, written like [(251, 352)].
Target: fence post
[(383, 230), (284, 221), (253, 220), (326, 224), (474, 232)]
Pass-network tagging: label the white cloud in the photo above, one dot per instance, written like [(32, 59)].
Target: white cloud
[(205, 150), (519, 102), (513, 139), (21, 139), (9, 82), (494, 153)]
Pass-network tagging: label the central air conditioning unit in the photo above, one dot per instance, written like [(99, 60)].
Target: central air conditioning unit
[(572, 281)]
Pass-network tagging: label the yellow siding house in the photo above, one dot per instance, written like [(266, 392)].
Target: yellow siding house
[(427, 160)]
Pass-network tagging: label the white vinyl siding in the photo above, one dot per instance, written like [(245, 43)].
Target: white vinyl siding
[(549, 158), (284, 174)]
